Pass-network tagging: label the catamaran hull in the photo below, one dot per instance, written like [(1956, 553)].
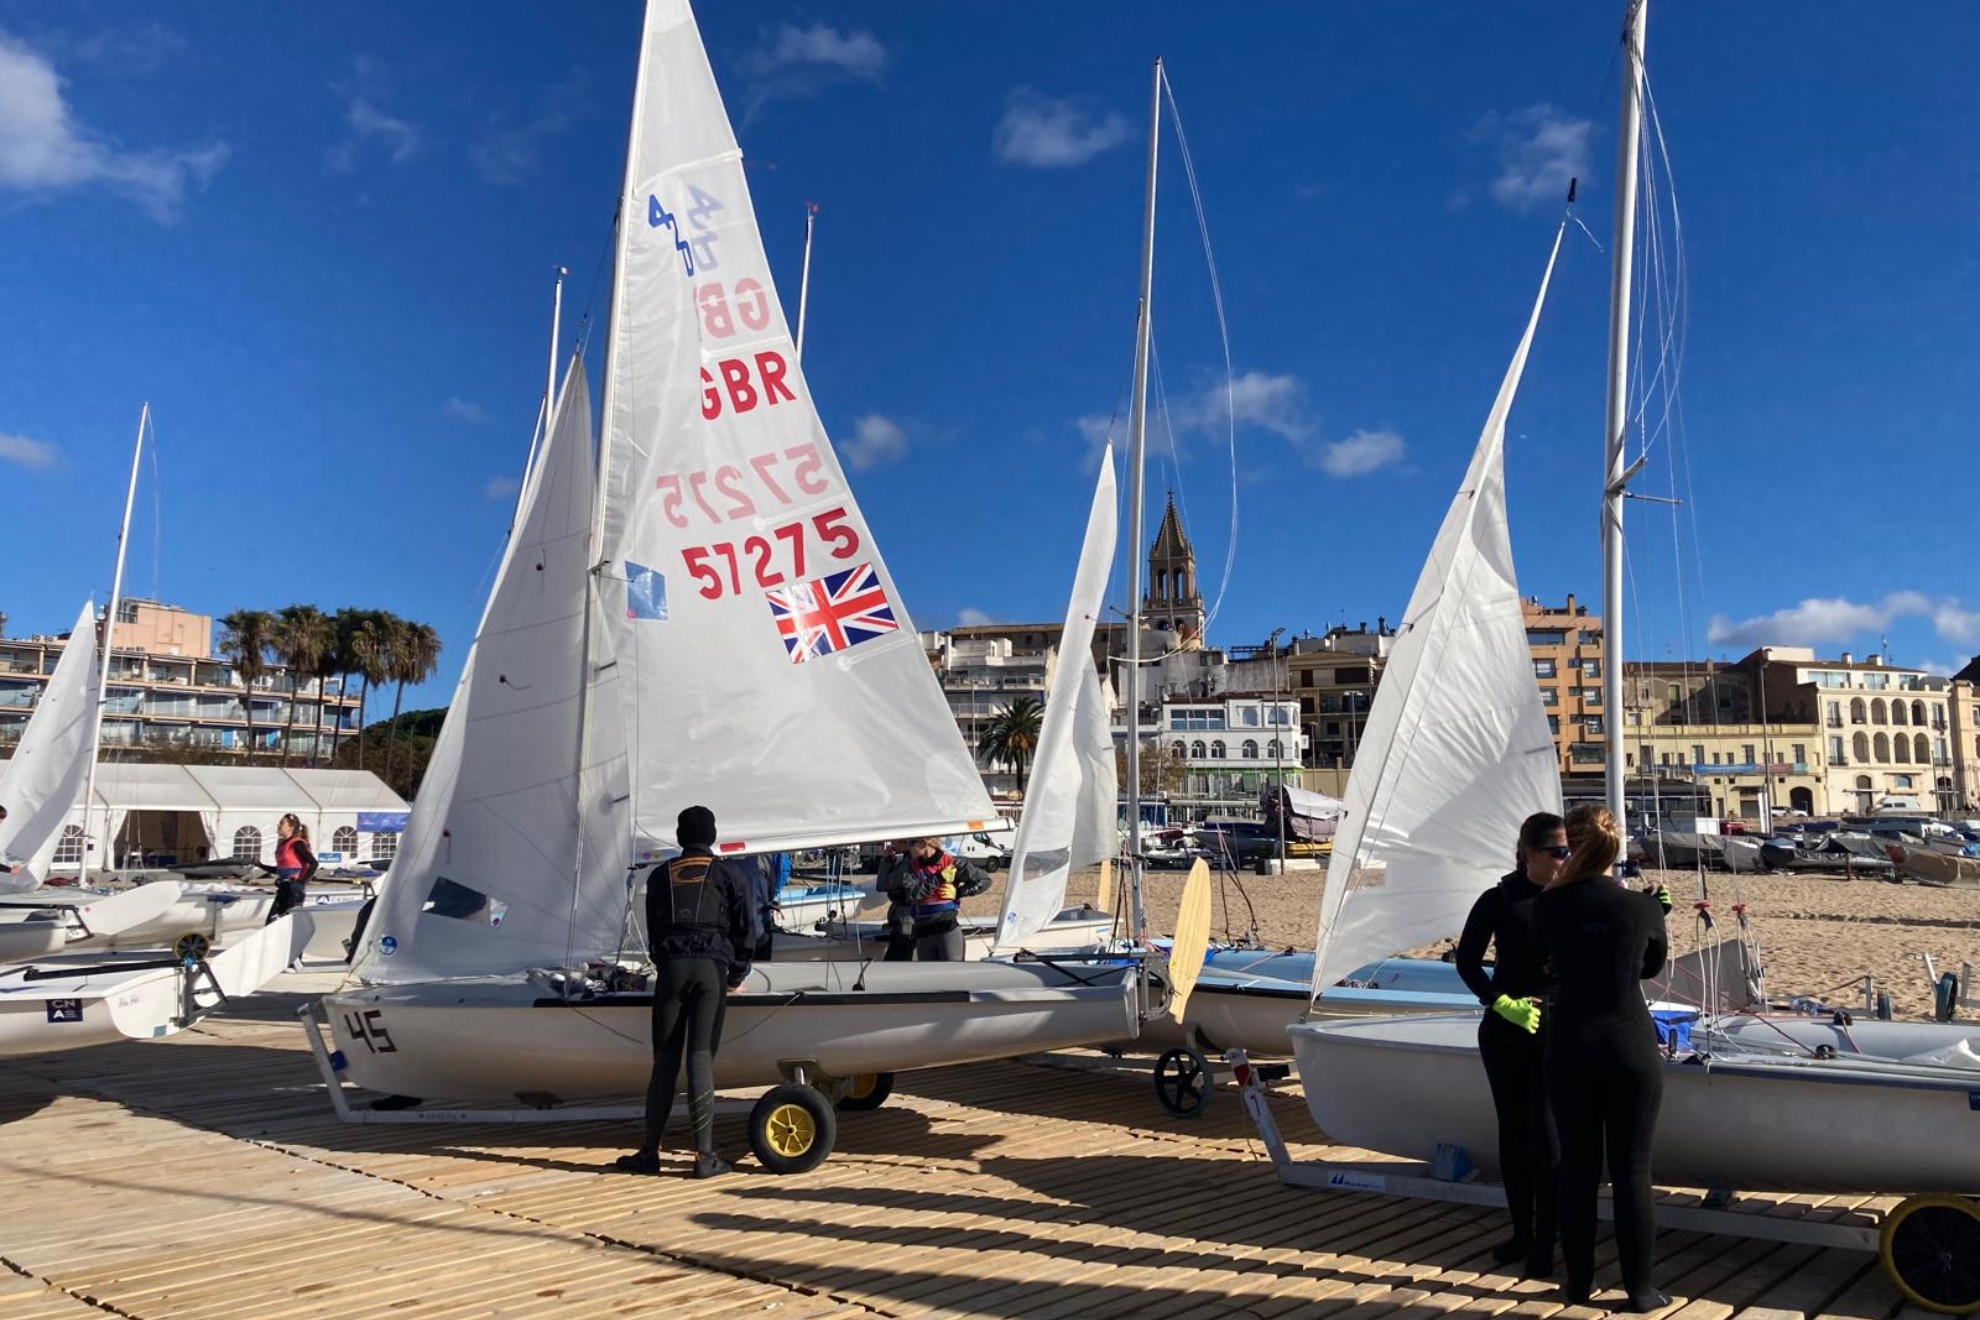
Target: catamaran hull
[(1403, 1085), (491, 1040)]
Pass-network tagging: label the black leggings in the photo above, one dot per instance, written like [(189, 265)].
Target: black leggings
[(289, 895), (689, 998), (1606, 1083), (1529, 1150)]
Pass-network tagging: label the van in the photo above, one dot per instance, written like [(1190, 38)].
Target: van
[(989, 849)]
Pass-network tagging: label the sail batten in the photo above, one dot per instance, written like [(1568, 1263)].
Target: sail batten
[(1456, 751), (1058, 833), (772, 672)]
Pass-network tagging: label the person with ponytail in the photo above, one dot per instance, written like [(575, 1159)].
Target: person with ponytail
[(295, 863), (1511, 1038), (1603, 1068)]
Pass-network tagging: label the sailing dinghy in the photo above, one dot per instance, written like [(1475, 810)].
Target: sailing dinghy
[(742, 646)]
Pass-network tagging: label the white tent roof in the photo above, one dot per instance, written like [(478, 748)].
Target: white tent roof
[(133, 786)]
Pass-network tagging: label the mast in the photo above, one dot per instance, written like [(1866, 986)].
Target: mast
[(1616, 474), (804, 278), (109, 631), (1137, 449)]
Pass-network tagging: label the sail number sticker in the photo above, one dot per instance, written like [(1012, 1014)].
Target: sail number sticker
[(369, 1027), (728, 492), (692, 241), (722, 568)]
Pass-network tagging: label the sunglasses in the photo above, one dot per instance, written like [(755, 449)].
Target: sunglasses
[(1561, 853)]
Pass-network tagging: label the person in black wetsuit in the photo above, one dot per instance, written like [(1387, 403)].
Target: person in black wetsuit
[(698, 924), (1604, 1070), (1510, 1039)]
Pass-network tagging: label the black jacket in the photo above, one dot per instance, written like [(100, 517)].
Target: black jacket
[(1603, 941), (1503, 918), (698, 906)]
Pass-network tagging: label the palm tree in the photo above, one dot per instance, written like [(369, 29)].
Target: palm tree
[(415, 655), (366, 647), (1012, 736), (245, 642), (303, 636)]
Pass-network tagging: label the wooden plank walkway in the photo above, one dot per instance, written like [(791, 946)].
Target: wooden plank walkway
[(204, 1177)]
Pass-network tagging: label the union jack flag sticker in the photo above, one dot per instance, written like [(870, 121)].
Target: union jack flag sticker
[(831, 613)]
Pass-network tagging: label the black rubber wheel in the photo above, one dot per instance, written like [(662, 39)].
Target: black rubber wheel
[(869, 1091), (1931, 1249), (792, 1128), (192, 944), (1183, 1083)]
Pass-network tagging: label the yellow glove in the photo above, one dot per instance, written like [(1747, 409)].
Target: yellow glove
[(1664, 898), (1522, 1013)]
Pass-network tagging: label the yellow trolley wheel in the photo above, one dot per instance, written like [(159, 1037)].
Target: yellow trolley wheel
[(868, 1091), (792, 1128), (192, 944), (1930, 1246)]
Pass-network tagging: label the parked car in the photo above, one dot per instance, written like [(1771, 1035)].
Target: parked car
[(1237, 842)]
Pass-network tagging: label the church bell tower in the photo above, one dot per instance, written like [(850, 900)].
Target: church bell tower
[(1172, 603)]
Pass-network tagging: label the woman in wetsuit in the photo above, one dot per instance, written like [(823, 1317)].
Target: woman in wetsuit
[(1510, 1041), (295, 864), (1604, 1071)]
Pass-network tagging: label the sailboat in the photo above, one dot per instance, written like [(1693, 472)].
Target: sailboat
[(714, 626), (1758, 1101)]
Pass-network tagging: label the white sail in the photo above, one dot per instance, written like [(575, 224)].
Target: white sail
[(1457, 751), (1096, 835), (44, 778), (776, 677), (485, 879), (1057, 799)]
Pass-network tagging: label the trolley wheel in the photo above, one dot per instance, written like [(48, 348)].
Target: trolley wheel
[(192, 944), (792, 1128), (868, 1091), (1182, 1081), (1930, 1246)]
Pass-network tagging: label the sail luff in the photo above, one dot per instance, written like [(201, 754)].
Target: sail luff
[(1042, 856), (44, 778), (1464, 750), (106, 642)]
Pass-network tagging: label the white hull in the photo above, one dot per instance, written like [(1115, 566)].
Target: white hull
[(30, 935), (1937, 868), (216, 911), (1403, 1085), (54, 920), (1238, 1002), (486, 1040), (334, 915), (85, 1005), (1075, 930)]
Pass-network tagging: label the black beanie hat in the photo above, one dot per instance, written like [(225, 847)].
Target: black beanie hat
[(695, 828)]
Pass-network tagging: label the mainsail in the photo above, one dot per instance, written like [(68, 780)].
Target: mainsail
[(1057, 833), (44, 778), (775, 676), (486, 877), (1457, 751)]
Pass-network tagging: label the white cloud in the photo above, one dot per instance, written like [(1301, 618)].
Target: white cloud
[(509, 155), (970, 617), (876, 441), (1817, 620), (43, 150), (465, 410), (141, 47), (1540, 149), (28, 453), (1361, 453), (794, 63), (1255, 398), (500, 488), (1939, 669), (1955, 624), (1046, 133), (368, 120)]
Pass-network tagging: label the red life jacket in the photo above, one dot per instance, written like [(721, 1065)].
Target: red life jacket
[(288, 854)]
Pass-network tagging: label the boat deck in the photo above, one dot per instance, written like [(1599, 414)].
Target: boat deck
[(204, 1177)]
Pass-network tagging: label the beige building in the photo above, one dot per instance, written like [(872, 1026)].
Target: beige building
[(1963, 709), (1566, 644), (1886, 729), (1334, 677), (168, 689)]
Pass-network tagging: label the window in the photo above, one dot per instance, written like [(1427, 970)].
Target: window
[(1698, 753), (1550, 696), (1878, 715), (1591, 696), (1902, 781), (1901, 750), (69, 848), (1249, 751), (1590, 638), (1877, 682), (1746, 756), (1715, 758), (384, 847), (1543, 668), (344, 840), (1276, 750), (1592, 723), (1800, 754), (1920, 749), (450, 898), (1649, 756), (1918, 714), (1835, 715), (1197, 751), (127, 611), (1859, 746), (1882, 745), (1674, 696), (1250, 717), (1180, 750), (247, 842), (1554, 725), (1836, 752), (1592, 668), (1546, 637), (1898, 713), (1857, 710), (1217, 752)]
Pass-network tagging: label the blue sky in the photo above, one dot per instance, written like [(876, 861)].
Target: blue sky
[(318, 240)]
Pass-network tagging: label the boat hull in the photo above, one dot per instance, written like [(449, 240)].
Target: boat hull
[(1936, 868), (1403, 1085), (490, 1040), (1248, 1000), (1074, 930)]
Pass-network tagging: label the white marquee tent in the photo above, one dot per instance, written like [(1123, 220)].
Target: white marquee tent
[(178, 814)]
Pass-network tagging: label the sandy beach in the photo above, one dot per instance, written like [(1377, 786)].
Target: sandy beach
[(1817, 935)]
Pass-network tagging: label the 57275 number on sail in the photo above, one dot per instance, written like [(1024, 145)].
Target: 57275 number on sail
[(719, 569)]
